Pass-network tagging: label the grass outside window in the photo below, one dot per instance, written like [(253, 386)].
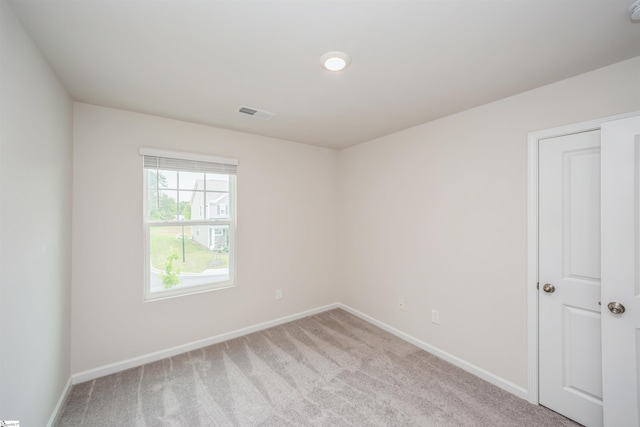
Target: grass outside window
[(192, 256)]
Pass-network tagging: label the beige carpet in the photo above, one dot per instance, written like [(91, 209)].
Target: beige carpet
[(331, 369)]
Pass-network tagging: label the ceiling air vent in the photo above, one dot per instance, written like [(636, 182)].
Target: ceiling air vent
[(258, 114)]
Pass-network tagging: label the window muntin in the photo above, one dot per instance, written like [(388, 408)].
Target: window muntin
[(189, 220)]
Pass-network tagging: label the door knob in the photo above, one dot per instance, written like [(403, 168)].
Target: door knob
[(616, 307), (549, 288)]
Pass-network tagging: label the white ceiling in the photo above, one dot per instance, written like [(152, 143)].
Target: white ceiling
[(412, 61)]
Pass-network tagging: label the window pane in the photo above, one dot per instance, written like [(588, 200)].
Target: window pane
[(164, 207), (197, 205), (157, 179), (184, 207), (212, 203), (161, 204), (216, 182), (217, 205), (168, 179), (152, 192), (184, 256), (188, 180)]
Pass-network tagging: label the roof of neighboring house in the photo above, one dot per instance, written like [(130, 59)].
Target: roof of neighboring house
[(219, 199), (215, 185)]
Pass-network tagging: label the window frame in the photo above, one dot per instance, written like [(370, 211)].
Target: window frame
[(231, 222)]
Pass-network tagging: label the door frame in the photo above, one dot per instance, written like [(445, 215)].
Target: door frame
[(534, 139)]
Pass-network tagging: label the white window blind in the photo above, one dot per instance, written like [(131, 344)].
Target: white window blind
[(187, 162)]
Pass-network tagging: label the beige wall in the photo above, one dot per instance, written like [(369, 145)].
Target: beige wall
[(453, 234), (35, 229), (435, 214), (287, 239)]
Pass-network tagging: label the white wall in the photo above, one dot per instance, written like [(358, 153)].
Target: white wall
[(287, 236), (35, 229), (437, 214)]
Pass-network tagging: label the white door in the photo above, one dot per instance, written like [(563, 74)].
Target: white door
[(621, 270), (570, 364)]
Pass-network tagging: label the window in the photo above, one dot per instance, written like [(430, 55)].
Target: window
[(187, 249)]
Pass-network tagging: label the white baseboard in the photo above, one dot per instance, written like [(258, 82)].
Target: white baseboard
[(63, 397), (159, 355), (163, 354), (456, 361)]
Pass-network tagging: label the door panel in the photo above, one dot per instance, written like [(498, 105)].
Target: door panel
[(621, 270), (582, 353), (581, 170), (569, 259)]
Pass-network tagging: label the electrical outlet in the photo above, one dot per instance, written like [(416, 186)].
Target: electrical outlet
[(401, 304), (279, 294), (435, 317)]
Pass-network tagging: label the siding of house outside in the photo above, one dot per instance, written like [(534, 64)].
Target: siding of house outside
[(217, 196)]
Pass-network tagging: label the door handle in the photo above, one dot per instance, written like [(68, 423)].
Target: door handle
[(615, 307), (549, 288)]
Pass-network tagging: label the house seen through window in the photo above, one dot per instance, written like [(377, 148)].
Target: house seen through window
[(189, 223)]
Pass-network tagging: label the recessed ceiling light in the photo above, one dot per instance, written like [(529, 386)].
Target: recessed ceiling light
[(335, 61)]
